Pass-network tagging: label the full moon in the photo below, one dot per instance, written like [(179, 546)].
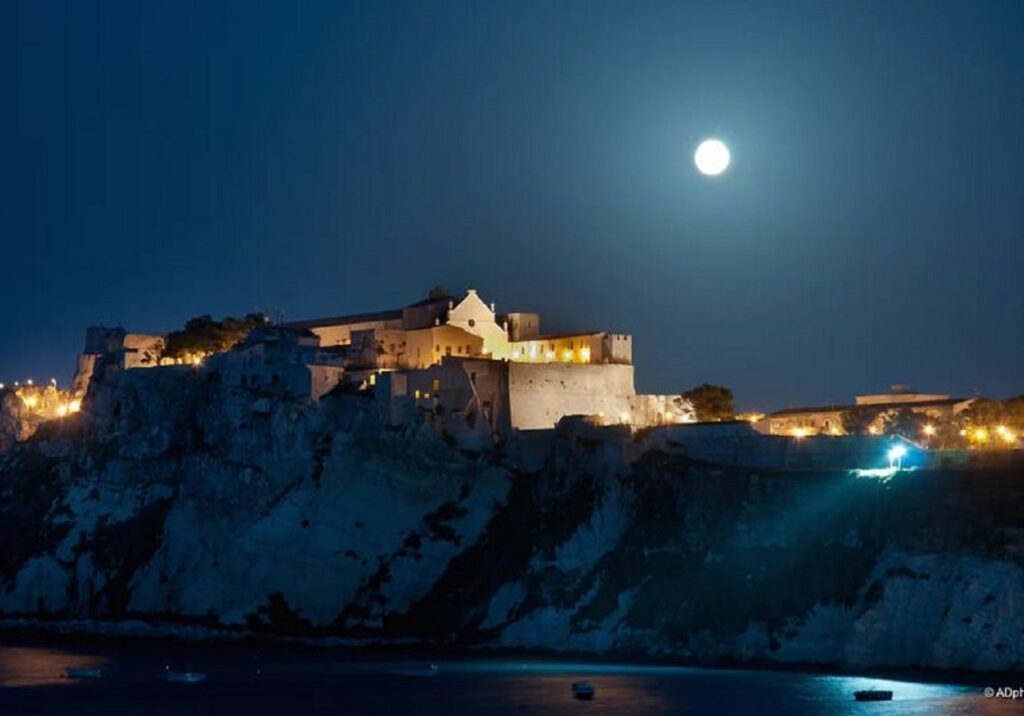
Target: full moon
[(711, 157)]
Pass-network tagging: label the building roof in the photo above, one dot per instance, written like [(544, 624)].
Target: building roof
[(264, 334), (869, 406), (392, 315), (439, 298), (556, 336)]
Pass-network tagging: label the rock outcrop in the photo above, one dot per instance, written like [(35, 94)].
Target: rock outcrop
[(178, 501)]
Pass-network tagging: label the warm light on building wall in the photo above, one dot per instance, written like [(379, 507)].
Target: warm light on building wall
[(750, 417), (928, 430), (585, 354), (30, 401), (74, 406), (799, 433)]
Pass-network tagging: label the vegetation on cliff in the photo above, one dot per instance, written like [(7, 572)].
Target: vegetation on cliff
[(203, 335)]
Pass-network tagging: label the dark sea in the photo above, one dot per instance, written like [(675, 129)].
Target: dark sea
[(257, 680)]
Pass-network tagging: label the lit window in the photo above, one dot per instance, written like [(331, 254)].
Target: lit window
[(436, 384)]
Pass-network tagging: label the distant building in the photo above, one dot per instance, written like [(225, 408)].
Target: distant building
[(499, 396), (828, 419), (283, 362), (117, 349), (441, 356), (451, 357), (422, 334)]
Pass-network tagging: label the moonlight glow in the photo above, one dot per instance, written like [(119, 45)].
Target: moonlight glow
[(712, 157)]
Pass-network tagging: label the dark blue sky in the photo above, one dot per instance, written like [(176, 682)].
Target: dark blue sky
[(162, 160)]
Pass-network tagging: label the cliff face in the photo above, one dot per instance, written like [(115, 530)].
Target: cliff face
[(177, 501)]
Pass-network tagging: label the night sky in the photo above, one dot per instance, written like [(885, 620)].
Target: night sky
[(163, 160)]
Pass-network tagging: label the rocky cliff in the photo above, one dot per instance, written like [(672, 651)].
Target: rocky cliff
[(174, 500)]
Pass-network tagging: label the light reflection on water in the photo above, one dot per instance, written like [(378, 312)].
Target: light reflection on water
[(263, 681), (24, 666)]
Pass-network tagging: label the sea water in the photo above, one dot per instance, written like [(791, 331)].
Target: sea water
[(256, 681)]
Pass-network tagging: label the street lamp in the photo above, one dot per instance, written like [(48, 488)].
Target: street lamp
[(896, 455)]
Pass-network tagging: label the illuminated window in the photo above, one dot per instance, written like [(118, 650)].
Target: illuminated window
[(416, 394), (436, 385)]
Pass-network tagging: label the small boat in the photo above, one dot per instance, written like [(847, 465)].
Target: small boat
[(872, 695), (416, 670), (184, 677), (582, 690), (83, 672)]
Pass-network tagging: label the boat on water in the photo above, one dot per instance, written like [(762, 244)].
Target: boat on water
[(83, 672), (872, 695), (184, 677), (583, 690), (416, 670)]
